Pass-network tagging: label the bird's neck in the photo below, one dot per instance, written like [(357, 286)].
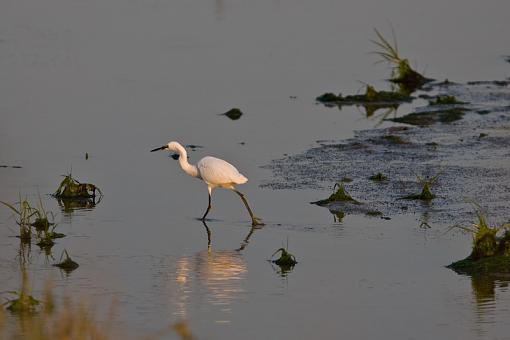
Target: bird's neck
[(190, 169)]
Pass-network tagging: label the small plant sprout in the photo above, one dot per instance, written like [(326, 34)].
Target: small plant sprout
[(70, 188), (425, 194), (24, 214), (378, 177), (286, 260), (68, 265), (402, 72), (340, 195)]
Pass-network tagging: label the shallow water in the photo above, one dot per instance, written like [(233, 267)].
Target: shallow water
[(118, 78)]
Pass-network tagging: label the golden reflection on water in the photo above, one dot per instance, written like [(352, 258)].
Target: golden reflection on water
[(215, 277)]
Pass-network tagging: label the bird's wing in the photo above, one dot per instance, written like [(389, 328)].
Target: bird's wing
[(217, 171)]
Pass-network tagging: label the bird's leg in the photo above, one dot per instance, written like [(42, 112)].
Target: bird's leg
[(208, 207), (254, 220), (208, 234)]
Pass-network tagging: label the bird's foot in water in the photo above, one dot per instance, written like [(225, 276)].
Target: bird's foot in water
[(255, 221)]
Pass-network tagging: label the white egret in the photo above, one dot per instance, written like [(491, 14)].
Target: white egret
[(215, 172)]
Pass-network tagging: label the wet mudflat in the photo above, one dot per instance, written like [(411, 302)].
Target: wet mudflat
[(90, 88)]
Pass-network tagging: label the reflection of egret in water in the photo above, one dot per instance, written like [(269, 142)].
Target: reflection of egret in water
[(244, 242), (214, 276)]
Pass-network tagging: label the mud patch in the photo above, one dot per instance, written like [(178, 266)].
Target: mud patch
[(470, 166)]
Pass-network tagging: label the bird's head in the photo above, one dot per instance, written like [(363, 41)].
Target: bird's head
[(171, 146)]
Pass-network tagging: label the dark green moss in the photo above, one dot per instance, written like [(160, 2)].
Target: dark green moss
[(373, 213), (431, 117), (482, 135), (234, 113), (346, 180), (445, 100), (378, 177)]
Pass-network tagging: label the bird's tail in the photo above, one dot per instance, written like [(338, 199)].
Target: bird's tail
[(241, 179)]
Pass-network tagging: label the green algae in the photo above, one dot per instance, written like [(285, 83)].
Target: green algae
[(233, 113), (340, 195), (378, 177), (426, 118)]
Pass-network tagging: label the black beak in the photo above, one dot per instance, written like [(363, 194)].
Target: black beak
[(161, 148)]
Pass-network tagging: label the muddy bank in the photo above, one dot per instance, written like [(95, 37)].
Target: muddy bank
[(471, 154)]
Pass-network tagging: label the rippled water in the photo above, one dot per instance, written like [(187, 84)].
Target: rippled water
[(115, 79)]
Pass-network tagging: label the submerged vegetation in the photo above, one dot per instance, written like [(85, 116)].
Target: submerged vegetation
[(490, 252), (70, 188)]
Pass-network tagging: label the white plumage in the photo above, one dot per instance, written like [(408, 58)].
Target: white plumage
[(214, 172)]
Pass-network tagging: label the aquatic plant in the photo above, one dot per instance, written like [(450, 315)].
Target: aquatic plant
[(24, 213), (70, 188), (402, 72), (486, 243), (68, 265), (340, 195), (286, 259), (378, 177), (425, 194)]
